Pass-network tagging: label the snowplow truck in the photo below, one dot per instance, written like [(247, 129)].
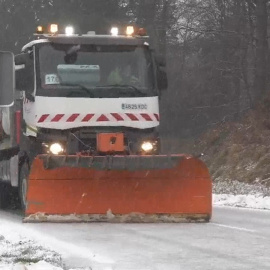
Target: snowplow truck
[(79, 133)]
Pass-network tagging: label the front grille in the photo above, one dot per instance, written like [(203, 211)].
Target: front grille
[(87, 145)]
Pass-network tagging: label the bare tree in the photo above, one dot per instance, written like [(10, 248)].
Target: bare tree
[(261, 48)]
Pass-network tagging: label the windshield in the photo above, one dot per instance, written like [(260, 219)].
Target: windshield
[(95, 71)]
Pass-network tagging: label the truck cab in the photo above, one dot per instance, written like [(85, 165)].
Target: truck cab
[(76, 87), (80, 94)]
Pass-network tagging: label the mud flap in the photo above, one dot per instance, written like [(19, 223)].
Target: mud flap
[(166, 188)]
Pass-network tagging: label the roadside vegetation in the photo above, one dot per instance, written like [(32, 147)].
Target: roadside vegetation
[(238, 152)]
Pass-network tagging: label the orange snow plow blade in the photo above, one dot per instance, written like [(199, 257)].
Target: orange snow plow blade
[(118, 189)]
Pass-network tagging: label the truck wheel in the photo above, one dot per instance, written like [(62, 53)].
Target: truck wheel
[(23, 185), (5, 195)]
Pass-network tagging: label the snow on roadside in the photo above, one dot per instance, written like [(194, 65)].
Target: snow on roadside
[(41, 265), (20, 253), (48, 248), (247, 201), (239, 194), (227, 186)]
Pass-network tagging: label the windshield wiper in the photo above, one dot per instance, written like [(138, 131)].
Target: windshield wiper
[(81, 87), (124, 86)]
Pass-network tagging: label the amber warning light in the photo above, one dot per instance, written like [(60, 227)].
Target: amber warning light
[(40, 30), (130, 31)]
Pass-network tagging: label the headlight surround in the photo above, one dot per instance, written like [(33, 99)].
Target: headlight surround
[(56, 149)]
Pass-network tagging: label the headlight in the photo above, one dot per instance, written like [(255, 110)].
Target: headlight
[(56, 148), (147, 146)]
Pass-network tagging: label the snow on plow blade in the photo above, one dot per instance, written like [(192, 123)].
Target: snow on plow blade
[(118, 189)]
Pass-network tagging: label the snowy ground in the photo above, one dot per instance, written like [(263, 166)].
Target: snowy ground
[(143, 246)]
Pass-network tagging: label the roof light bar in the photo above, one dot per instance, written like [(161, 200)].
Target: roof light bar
[(53, 30)]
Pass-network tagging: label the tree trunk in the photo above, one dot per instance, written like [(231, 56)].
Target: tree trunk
[(260, 84)]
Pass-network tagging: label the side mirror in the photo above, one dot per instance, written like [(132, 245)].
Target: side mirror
[(24, 72), (20, 59), (6, 79)]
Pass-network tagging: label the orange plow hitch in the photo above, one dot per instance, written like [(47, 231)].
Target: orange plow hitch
[(118, 189)]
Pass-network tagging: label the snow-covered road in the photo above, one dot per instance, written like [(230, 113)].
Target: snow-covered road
[(235, 239)]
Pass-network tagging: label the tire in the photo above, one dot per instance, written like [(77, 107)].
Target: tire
[(23, 185), (5, 195)]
